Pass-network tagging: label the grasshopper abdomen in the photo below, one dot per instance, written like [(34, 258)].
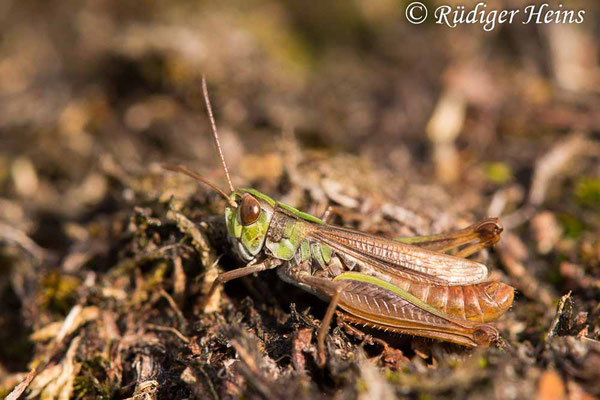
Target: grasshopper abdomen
[(482, 302)]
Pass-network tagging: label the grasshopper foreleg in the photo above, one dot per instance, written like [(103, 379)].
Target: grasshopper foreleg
[(249, 269)]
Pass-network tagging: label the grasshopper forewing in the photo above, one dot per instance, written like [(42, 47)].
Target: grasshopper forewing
[(406, 285)]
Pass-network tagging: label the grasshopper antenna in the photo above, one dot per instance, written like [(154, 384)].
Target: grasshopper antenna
[(214, 131), (193, 175)]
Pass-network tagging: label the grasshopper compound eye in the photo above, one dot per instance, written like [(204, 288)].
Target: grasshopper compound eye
[(249, 210)]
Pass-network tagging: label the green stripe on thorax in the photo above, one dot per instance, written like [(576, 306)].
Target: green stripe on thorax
[(300, 214)]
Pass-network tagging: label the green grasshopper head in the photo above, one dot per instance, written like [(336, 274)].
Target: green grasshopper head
[(247, 224), (247, 215)]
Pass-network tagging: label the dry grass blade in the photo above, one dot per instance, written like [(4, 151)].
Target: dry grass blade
[(21, 387), (13, 235)]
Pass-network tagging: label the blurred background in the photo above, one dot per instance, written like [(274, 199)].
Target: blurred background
[(340, 99)]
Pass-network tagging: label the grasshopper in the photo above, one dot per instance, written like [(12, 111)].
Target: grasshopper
[(407, 285)]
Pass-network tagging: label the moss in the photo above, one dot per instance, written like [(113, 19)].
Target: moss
[(497, 172), (59, 291), (92, 381), (572, 226), (158, 274), (587, 192), (483, 363), (392, 376), (361, 386)]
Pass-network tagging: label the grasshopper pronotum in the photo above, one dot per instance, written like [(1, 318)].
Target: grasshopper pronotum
[(406, 285)]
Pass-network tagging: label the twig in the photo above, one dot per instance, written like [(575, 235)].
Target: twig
[(21, 387), (147, 370), (13, 235), (207, 256), (253, 372), (211, 387), (179, 281), (170, 329), (127, 265), (180, 317)]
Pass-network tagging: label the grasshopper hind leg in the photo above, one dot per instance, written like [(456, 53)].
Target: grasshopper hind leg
[(474, 238), (327, 288), (378, 304), (368, 301)]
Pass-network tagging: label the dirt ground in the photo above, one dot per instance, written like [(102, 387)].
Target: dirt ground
[(409, 129)]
